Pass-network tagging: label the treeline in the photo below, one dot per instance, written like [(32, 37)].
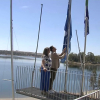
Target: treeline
[(89, 58), (19, 53)]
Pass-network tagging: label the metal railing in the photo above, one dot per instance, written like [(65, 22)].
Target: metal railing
[(92, 96), (73, 84)]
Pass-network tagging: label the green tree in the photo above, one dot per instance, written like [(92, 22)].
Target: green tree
[(73, 57), (81, 53), (90, 57)]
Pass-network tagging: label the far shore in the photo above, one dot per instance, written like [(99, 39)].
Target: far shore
[(78, 64), (70, 62)]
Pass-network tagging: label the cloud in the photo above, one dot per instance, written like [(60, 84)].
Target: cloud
[(24, 7)]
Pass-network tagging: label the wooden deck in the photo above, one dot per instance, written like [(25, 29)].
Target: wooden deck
[(36, 93)]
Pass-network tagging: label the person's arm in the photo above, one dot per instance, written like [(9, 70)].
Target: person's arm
[(61, 54), (43, 62), (58, 57), (63, 51)]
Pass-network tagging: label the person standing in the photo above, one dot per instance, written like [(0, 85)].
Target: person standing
[(55, 63), (45, 71)]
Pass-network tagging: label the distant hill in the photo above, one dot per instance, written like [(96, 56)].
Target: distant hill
[(19, 53)]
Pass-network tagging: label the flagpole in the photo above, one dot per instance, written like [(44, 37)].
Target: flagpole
[(37, 43), (38, 35), (68, 45), (82, 91), (79, 48), (11, 40)]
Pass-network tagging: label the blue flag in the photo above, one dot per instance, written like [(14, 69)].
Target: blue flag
[(87, 16), (66, 33)]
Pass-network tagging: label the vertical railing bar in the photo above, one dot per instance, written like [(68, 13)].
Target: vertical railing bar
[(68, 80), (69, 83), (30, 77), (74, 84), (87, 84), (37, 78), (27, 76), (21, 78), (18, 78), (80, 84), (59, 83), (84, 85), (34, 77), (24, 78), (60, 73), (55, 84), (52, 80)]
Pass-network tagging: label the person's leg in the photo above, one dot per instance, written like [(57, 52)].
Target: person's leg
[(47, 80), (50, 85), (53, 75), (42, 80)]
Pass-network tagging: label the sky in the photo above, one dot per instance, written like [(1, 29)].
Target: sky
[(26, 17)]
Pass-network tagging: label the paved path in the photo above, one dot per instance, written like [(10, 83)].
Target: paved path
[(28, 98)]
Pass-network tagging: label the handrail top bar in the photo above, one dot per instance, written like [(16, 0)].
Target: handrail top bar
[(87, 95)]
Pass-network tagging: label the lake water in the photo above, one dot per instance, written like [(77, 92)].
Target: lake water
[(5, 73)]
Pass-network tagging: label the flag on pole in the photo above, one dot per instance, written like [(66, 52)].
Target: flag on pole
[(87, 16), (66, 33)]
